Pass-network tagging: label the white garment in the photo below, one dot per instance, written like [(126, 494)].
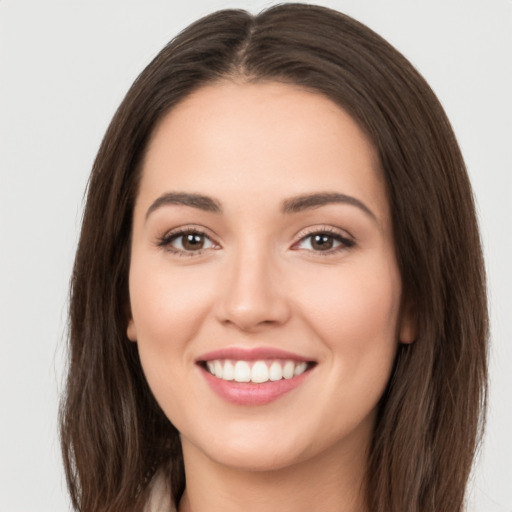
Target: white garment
[(160, 496)]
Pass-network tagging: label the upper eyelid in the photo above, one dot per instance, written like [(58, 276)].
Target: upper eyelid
[(330, 230), (192, 228)]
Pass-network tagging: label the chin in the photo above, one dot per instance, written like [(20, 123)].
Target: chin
[(252, 457), (260, 447)]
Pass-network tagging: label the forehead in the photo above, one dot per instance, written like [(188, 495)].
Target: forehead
[(269, 138)]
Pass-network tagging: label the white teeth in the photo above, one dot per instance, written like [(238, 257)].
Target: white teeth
[(261, 371), (229, 371), (300, 368), (276, 371), (288, 370), (242, 372), (218, 369)]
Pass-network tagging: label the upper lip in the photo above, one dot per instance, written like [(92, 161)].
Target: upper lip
[(253, 354)]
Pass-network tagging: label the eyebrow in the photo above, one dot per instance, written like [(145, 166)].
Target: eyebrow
[(199, 201), (292, 205), (310, 201)]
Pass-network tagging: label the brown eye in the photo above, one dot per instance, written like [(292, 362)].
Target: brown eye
[(322, 242), (186, 242), (192, 241)]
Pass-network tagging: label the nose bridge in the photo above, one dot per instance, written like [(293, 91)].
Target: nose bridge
[(253, 294)]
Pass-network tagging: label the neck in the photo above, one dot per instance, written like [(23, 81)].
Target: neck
[(329, 482)]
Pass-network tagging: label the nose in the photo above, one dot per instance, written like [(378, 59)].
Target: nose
[(254, 293)]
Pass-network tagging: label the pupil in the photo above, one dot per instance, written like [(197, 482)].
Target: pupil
[(322, 242), (193, 242)]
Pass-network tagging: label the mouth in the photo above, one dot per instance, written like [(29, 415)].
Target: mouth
[(253, 377), (256, 372)]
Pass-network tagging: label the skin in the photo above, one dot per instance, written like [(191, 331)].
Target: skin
[(260, 281)]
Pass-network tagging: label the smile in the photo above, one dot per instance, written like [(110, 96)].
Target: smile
[(256, 372), (254, 377)]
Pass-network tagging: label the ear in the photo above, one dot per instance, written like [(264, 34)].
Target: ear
[(408, 328), (131, 330)]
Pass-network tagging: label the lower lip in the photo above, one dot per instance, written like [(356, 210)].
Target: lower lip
[(248, 393)]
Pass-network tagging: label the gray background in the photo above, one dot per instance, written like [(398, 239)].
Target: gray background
[(64, 68)]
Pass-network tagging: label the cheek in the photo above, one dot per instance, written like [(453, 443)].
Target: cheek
[(367, 300), (355, 312), (355, 316), (167, 305), (166, 311)]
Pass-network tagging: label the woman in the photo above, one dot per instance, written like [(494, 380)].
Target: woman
[(284, 307)]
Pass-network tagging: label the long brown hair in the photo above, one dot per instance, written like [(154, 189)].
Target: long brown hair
[(114, 435)]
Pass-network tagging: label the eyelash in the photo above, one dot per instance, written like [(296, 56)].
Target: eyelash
[(166, 241), (344, 241)]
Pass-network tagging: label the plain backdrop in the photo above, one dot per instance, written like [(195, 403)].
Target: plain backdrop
[(64, 68)]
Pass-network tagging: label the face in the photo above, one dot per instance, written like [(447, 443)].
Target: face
[(264, 290)]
